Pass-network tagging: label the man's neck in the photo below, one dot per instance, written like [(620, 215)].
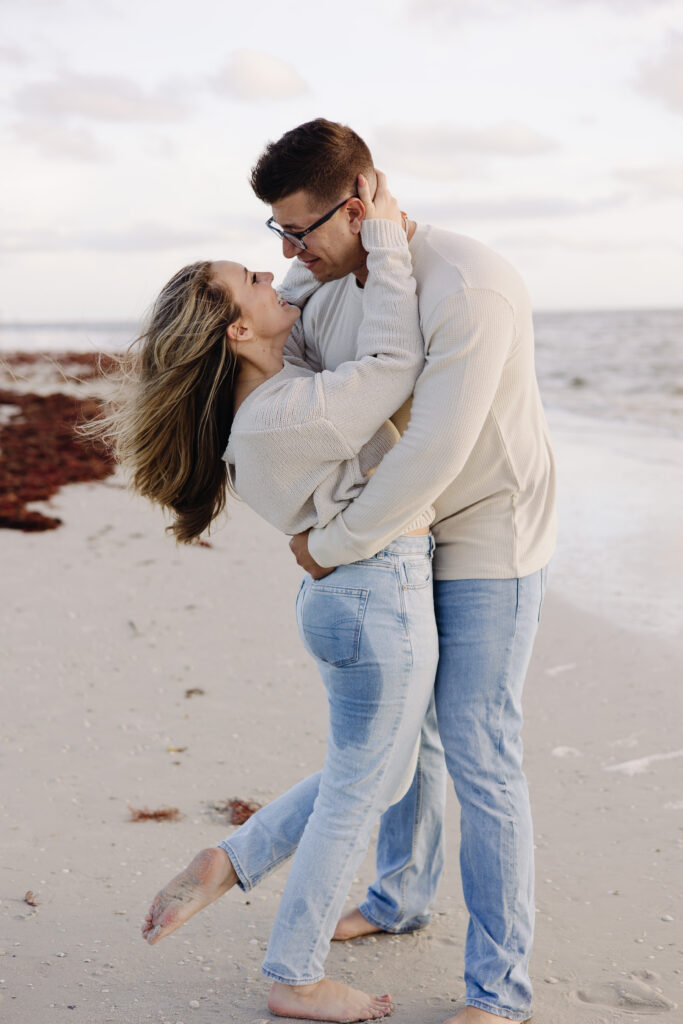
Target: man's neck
[(361, 273)]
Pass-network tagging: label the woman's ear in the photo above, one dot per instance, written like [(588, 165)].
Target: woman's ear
[(237, 332)]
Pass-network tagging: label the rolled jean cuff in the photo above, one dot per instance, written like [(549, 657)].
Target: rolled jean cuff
[(498, 1011), (415, 925), (274, 976), (242, 880)]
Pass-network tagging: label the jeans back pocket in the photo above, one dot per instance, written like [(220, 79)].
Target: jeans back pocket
[(330, 622)]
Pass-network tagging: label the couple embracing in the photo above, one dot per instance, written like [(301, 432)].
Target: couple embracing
[(382, 409)]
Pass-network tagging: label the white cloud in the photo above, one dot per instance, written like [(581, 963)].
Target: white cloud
[(661, 77), (658, 182), (444, 151), (523, 207), (460, 10), (160, 148), (546, 240), (255, 76), (13, 55), (453, 10), (141, 237), (507, 139), (54, 140), (99, 97), (145, 237)]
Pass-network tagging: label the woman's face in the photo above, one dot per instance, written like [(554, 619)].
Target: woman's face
[(262, 308)]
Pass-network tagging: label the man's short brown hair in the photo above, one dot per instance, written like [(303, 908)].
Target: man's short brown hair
[(321, 157)]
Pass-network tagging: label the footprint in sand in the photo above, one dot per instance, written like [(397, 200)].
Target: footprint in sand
[(625, 994)]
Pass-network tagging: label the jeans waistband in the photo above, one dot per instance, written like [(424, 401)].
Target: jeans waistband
[(422, 544)]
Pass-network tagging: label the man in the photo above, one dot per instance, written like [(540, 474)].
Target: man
[(475, 446)]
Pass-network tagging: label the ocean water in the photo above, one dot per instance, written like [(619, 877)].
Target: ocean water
[(622, 366), (625, 365), (66, 337)]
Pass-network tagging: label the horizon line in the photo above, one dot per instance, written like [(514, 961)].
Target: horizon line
[(109, 323)]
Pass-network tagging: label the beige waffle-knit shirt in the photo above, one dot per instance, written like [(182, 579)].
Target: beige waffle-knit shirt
[(475, 440), (303, 443)]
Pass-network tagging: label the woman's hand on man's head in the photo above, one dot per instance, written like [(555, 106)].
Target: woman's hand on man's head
[(382, 205)]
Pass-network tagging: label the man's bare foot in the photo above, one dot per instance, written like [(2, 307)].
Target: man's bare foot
[(353, 925), (326, 1000), (473, 1015), (209, 875)]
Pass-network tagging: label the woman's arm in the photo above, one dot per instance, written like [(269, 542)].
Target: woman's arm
[(298, 284), (297, 441), (360, 395)]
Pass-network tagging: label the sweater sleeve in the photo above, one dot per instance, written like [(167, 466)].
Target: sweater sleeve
[(359, 395), (298, 285), (468, 340), (295, 352)]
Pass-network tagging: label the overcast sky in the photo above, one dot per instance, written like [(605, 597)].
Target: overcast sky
[(552, 130)]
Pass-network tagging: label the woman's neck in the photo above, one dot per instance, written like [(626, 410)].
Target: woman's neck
[(264, 361)]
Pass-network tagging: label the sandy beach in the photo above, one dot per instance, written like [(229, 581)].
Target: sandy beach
[(106, 625)]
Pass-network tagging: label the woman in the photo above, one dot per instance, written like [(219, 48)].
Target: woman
[(222, 363)]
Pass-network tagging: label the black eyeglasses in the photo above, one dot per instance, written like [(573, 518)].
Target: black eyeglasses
[(296, 238)]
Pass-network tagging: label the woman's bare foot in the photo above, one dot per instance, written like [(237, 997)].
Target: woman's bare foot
[(326, 1000), (353, 925), (209, 875)]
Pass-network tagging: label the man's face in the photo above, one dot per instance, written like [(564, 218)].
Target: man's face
[(334, 249)]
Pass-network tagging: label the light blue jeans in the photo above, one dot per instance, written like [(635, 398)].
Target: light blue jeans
[(370, 627), (486, 634)]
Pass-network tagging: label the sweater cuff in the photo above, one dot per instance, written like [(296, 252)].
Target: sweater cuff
[(331, 545), (382, 234)]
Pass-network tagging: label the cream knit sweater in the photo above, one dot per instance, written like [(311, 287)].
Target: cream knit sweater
[(475, 441), (302, 444)]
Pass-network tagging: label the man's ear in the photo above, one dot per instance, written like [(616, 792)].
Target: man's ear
[(355, 211)]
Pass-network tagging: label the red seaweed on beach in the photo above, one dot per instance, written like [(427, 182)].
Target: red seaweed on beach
[(40, 451), (160, 814), (238, 811)]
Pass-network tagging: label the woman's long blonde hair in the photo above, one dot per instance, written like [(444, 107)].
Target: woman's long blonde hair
[(171, 413)]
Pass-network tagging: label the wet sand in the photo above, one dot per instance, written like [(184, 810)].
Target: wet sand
[(104, 627)]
